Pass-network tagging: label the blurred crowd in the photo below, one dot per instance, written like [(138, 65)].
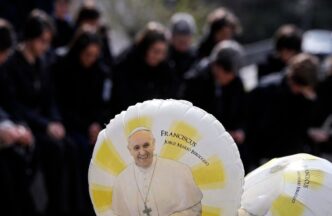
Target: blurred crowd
[(60, 84)]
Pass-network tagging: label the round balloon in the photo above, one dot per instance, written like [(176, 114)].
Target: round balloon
[(165, 157), (297, 185)]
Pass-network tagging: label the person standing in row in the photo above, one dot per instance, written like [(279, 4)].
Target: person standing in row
[(182, 55), (34, 103), (214, 85), (222, 25), (143, 72)]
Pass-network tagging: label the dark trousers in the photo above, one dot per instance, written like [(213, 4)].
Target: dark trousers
[(20, 181)]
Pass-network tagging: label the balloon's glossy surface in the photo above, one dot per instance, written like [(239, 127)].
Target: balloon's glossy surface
[(183, 133), (297, 185)]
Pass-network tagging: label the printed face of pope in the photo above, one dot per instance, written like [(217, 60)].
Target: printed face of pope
[(141, 145)]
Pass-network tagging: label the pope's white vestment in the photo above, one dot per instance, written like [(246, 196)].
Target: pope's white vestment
[(172, 191)]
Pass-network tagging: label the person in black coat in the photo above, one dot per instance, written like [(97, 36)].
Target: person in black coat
[(142, 72), (64, 26), (90, 15), (83, 88), (7, 37), (215, 87), (16, 144), (321, 133), (182, 55), (288, 41), (222, 25), (34, 102), (18, 10), (81, 85), (281, 112)]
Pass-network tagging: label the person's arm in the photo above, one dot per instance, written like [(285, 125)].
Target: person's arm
[(32, 117), (193, 195), (51, 104), (238, 113), (118, 200), (20, 111)]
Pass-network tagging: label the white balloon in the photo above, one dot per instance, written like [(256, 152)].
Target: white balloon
[(297, 185), (198, 140)]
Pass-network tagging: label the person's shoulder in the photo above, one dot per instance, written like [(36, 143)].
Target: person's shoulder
[(199, 71), (272, 80), (269, 87), (15, 58), (272, 62), (103, 69), (238, 83), (124, 173), (15, 63), (124, 56)]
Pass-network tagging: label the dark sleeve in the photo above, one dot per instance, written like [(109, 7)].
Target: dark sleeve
[(171, 83), (7, 101), (258, 125), (51, 105), (102, 111), (238, 108), (120, 95), (36, 118), (22, 112), (3, 115), (189, 91), (33, 118), (197, 88)]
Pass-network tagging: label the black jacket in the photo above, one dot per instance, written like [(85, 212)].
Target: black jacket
[(3, 95), (135, 81), (205, 47), (81, 92), (181, 62), (32, 91), (226, 103), (271, 64), (278, 120), (64, 33)]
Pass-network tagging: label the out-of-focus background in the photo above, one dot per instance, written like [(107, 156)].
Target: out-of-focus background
[(259, 19), (262, 68)]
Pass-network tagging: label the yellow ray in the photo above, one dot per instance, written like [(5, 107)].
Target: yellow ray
[(310, 179), (109, 159), (212, 176), (180, 139), (286, 206), (211, 211), (132, 124), (101, 197)]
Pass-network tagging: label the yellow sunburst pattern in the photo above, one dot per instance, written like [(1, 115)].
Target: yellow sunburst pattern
[(179, 147), (108, 158), (212, 176), (101, 197)]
